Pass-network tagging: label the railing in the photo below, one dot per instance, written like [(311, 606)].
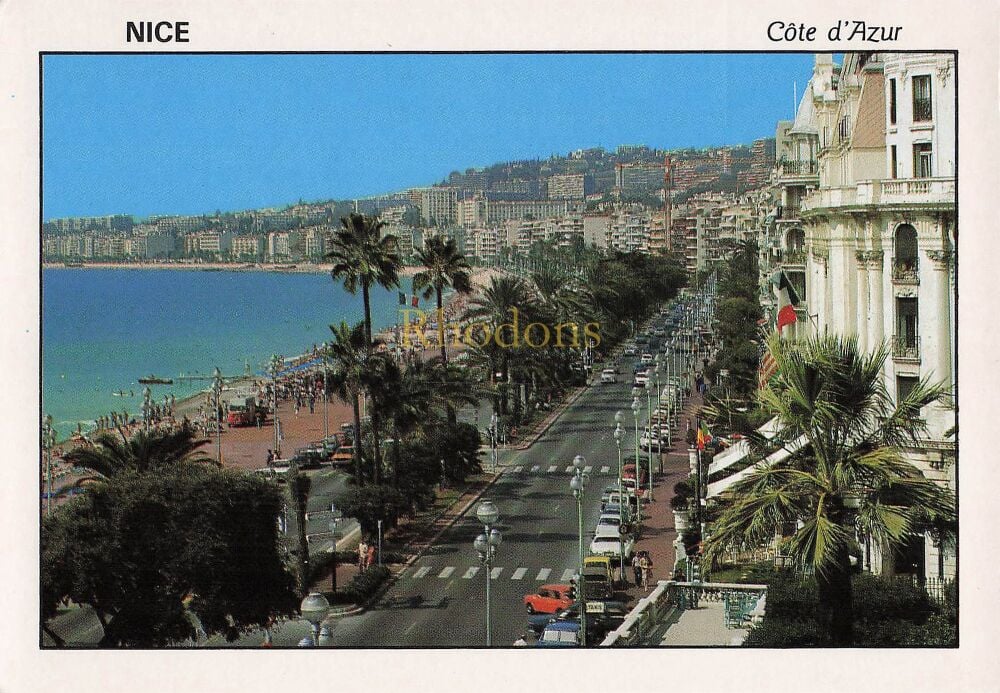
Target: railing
[(905, 271), (794, 257), (906, 347), (799, 168), (873, 192), (744, 605)]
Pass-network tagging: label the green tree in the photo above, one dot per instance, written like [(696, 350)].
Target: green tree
[(111, 454), (445, 268), (846, 474), (298, 494), (348, 354), (364, 257), (146, 551)]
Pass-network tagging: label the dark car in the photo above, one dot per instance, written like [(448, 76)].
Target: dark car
[(598, 624)]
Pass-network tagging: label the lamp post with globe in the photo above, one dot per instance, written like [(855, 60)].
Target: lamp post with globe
[(486, 545), (578, 485), (619, 432), (314, 609)]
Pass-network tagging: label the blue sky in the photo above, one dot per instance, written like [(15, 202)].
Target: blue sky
[(160, 134)]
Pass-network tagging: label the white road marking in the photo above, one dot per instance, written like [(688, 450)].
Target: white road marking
[(543, 574), (567, 574), (495, 573), (471, 572), (605, 469), (422, 571), (446, 572), (519, 574), (552, 469), (409, 628), (588, 469), (518, 470), (569, 469), (535, 468)]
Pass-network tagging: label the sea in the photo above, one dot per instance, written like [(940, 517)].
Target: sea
[(103, 329)]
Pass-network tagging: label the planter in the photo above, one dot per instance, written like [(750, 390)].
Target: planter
[(682, 521)]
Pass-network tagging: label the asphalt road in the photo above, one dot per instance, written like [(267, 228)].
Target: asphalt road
[(439, 601)]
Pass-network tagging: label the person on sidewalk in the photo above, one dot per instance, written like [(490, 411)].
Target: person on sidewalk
[(362, 555), (637, 569), (646, 565)]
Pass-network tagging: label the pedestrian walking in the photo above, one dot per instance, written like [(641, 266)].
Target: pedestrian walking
[(637, 569), (370, 559), (270, 457), (646, 565), (362, 554)]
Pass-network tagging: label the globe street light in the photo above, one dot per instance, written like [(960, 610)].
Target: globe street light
[(578, 484), (276, 362), (486, 545), (619, 432), (217, 391), (48, 442), (493, 440), (314, 609)]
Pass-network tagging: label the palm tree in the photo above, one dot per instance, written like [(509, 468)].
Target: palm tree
[(111, 455), (347, 353), (445, 267), (846, 474), (363, 257)]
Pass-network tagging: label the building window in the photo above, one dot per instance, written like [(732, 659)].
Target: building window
[(907, 342), (922, 160), (844, 128), (904, 386), (892, 102), (893, 163), (921, 98)]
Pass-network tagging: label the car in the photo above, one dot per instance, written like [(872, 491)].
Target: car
[(608, 375), (646, 358), (560, 634), (596, 583), (613, 547), (640, 379), (630, 350), (343, 456), (602, 618), (602, 561), (631, 504), (549, 599), (606, 531), (628, 472)]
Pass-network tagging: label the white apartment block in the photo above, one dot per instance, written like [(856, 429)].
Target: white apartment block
[(567, 186), (437, 205), (878, 235)]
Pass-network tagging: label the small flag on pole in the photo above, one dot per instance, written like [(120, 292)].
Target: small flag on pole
[(415, 301), (768, 367), (704, 436), (788, 298)]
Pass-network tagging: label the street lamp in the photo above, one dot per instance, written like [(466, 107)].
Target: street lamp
[(635, 414), (493, 440), (619, 432), (48, 442), (276, 362), (578, 485), (147, 407), (314, 609), (486, 545), (217, 391)]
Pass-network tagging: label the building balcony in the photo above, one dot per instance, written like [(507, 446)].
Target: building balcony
[(905, 272), (931, 193), (906, 348), (793, 257), (798, 172)]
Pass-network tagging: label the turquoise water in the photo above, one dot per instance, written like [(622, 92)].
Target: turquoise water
[(103, 329)]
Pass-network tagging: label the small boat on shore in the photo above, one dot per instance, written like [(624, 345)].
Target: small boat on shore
[(155, 380)]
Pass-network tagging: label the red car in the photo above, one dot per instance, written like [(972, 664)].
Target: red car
[(628, 472), (549, 599)]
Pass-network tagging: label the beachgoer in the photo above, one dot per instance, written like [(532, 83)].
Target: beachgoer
[(646, 565), (637, 569), (362, 554)]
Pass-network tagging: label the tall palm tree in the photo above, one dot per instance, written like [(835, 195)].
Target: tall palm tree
[(364, 257), (847, 474), (445, 268), (144, 451), (347, 353), (495, 308)]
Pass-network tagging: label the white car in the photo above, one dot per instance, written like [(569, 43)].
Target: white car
[(640, 379), (608, 375), (606, 532), (646, 358), (615, 547), (630, 350)]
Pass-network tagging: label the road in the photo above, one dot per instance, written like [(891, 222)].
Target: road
[(439, 601)]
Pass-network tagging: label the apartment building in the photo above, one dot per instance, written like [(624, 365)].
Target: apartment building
[(879, 237)]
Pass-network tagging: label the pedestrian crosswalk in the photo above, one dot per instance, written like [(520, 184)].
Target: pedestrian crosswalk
[(515, 573), (554, 469)]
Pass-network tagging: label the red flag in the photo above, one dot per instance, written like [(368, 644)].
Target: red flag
[(414, 301), (786, 316)]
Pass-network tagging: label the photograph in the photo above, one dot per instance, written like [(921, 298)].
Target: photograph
[(499, 349)]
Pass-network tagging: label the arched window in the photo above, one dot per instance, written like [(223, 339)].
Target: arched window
[(905, 254)]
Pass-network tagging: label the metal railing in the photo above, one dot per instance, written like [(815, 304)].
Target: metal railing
[(906, 347), (794, 257), (922, 110), (905, 271), (799, 168)]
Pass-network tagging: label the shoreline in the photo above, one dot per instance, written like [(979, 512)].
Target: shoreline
[(285, 268)]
